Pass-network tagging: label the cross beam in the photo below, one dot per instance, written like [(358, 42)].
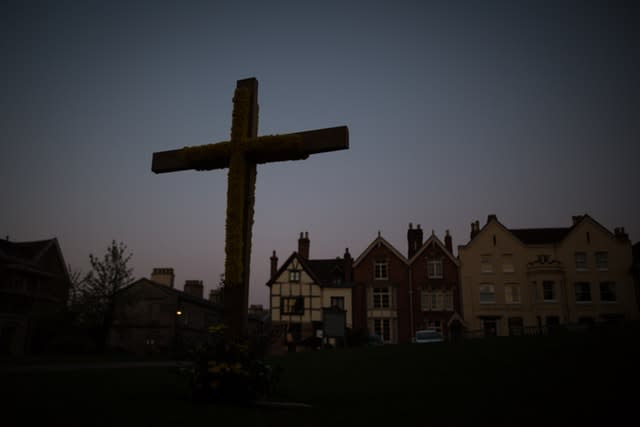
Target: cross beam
[(241, 155)]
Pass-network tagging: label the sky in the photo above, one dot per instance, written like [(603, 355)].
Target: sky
[(456, 110)]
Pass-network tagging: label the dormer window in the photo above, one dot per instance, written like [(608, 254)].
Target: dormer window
[(434, 269), (381, 270)]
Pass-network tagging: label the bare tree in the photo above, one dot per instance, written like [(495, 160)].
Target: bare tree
[(99, 287)]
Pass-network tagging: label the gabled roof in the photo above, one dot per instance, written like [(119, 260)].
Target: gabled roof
[(169, 291), (321, 271), (379, 241), (433, 239), (29, 253), (542, 236)]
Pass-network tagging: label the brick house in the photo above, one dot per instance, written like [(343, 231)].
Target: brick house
[(381, 292), (435, 288), (394, 295)]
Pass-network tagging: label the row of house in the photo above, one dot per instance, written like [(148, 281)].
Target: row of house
[(502, 282)]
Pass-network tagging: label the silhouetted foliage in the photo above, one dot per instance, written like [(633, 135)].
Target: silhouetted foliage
[(92, 298)]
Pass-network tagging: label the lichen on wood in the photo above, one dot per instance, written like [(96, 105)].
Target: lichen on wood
[(208, 156)]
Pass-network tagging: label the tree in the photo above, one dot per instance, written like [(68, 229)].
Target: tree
[(97, 291)]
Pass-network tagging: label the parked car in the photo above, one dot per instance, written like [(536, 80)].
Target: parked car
[(428, 336)]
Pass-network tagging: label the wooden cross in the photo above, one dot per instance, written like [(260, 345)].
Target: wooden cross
[(241, 155)]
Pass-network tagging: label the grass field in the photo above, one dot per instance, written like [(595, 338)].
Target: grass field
[(565, 380)]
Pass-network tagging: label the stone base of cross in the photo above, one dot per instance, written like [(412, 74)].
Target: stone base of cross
[(241, 155)]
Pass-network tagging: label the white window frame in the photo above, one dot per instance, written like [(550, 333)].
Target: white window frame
[(380, 326), (602, 261), (294, 276), (381, 293), (581, 261), (434, 269), (381, 270)]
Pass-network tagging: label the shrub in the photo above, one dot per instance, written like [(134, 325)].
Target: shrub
[(224, 370)]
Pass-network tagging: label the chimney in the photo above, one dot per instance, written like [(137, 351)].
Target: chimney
[(447, 242), (194, 287), (475, 229), (274, 264), (491, 217), (576, 219), (303, 245), (621, 234), (414, 239), (348, 266), (164, 276)]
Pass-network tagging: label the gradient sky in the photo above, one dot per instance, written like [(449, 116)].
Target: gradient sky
[(456, 110)]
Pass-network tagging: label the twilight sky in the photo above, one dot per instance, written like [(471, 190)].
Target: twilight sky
[(456, 110)]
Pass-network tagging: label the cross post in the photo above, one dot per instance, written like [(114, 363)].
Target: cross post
[(241, 155)]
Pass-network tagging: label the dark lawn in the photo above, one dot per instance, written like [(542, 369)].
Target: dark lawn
[(567, 380)]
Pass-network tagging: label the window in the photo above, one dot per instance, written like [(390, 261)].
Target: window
[(581, 261), (292, 305), (490, 327), (294, 275), (434, 269), (512, 293), (382, 328), (602, 261), (487, 294), (607, 292), (485, 264), (548, 290), (543, 258), (381, 298), (507, 264), (583, 292), (436, 301), (337, 302), (516, 326), (381, 270)]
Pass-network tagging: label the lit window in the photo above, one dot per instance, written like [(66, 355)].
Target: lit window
[(487, 294), (602, 261), (607, 291), (434, 269), (381, 270), (583, 292)]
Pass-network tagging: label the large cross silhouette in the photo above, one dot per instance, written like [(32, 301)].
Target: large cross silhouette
[(241, 155)]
